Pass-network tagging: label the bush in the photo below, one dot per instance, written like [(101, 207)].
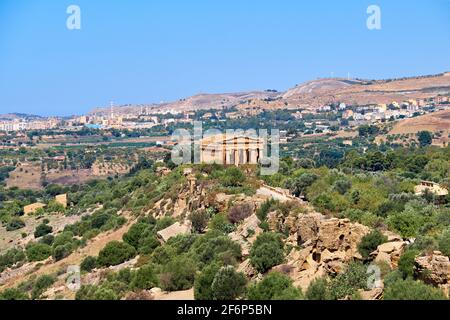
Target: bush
[(178, 274), (13, 294), (267, 251), (392, 277), (47, 239), (38, 251), (342, 186), (318, 290), (299, 185), (215, 246), (42, 230), (444, 243), (62, 251), (199, 220), (115, 253), (11, 257), (163, 223), (264, 209), (412, 290), (148, 244), (240, 212), (145, 278), (40, 285), (275, 286), (89, 263), (232, 177), (134, 234), (347, 283), (15, 224), (203, 282), (105, 294), (162, 255), (407, 223), (220, 222), (228, 284), (407, 261), (370, 242)]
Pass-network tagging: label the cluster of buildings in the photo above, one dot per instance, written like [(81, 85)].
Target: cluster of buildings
[(23, 124), (395, 110)]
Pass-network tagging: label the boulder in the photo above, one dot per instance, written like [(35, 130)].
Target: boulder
[(246, 233), (389, 252), (434, 269)]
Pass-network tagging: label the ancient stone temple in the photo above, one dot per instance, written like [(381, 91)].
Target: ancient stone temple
[(229, 149)]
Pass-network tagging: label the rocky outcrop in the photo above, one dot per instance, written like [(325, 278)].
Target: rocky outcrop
[(174, 230), (434, 269), (390, 252), (246, 233), (322, 246)]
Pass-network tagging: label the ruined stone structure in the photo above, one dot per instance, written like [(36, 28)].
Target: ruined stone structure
[(231, 149)]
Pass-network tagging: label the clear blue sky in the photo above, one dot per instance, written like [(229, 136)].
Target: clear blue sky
[(151, 51)]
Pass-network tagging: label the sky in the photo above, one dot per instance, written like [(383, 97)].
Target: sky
[(150, 51)]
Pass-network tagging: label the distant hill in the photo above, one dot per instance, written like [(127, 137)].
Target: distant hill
[(15, 115), (310, 95)]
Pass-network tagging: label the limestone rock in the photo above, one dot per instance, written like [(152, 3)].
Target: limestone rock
[(246, 233), (434, 269), (374, 294)]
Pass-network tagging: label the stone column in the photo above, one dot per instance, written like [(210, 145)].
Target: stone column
[(253, 156), (228, 157), (236, 157)]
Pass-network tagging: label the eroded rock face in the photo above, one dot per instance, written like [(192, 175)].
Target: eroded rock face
[(323, 246), (434, 269), (390, 252), (246, 233)]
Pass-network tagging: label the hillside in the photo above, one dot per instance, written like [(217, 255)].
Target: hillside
[(309, 95)]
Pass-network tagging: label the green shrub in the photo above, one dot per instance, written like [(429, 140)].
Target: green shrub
[(264, 209), (232, 177), (163, 223), (40, 285), (89, 263), (220, 222), (216, 246), (134, 234), (115, 253), (267, 251), (228, 284), (12, 257), (15, 224), (105, 294), (407, 261), (38, 251), (199, 220), (42, 230), (144, 278), (444, 243), (13, 294), (412, 290), (178, 274), (318, 289), (204, 280), (63, 238), (370, 242), (62, 251), (347, 283), (148, 244), (392, 277), (47, 239), (275, 286)]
